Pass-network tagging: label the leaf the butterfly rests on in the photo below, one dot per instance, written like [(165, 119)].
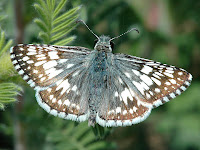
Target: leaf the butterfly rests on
[(109, 89)]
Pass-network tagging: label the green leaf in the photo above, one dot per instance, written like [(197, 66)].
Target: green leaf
[(66, 15), (55, 25), (44, 36), (41, 24), (8, 92), (59, 7), (4, 46), (2, 39), (60, 34), (41, 12), (65, 41)]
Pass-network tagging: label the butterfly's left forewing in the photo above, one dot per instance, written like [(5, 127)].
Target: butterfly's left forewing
[(55, 73)]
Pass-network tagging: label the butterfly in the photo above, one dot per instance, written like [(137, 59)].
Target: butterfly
[(80, 84)]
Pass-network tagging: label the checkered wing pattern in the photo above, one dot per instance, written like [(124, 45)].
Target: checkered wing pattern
[(53, 72), (138, 85)]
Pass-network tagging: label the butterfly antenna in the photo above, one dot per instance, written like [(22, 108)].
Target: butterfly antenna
[(87, 27), (135, 29)]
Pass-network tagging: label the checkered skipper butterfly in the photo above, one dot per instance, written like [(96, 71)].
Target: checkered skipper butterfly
[(76, 83)]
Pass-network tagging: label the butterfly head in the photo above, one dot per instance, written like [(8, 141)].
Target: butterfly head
[(103, 43)]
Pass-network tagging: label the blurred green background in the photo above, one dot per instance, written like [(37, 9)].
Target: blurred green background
[(169, 33)]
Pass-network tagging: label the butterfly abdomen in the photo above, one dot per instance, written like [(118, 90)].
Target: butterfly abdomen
[(98, 73)]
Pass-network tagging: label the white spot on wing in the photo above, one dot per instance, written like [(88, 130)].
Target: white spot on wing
[(157, 90), (146, 79), (148, 95), (165, 99), (126, 94), (146, 69), (17, 67), (168, 74), (14, 62), (25, 58), (74, 88), (35, 71), (118, 110), (155, 75), (135, 108), (156, 81), (66, 102), (172, 81), (136, 72), (169, 71), (139, 87), (64, 85), (53, 55), (178, 91), (39, 63), (62, 60), (50, 64), (31, 53), (21, 72), (144, 86), (53, 72), (116, 94), (124, 112), (167, 83), (69, 65), (12, 56), (30, 61), (25, 77), (51, 96), (183, 88), (43, 78), (157, 103), (172, 95), (127, 74), (180, 73)]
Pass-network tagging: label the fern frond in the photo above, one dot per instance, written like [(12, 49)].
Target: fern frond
[(8, 92), (55, 25)]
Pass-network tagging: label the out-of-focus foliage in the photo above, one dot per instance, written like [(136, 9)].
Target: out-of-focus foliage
[(8, 91), (169, 33)]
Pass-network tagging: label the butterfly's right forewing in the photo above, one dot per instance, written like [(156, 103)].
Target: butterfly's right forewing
[(57, 74), (42, 65)]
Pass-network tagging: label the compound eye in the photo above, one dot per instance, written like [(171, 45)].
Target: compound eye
[(112, 45)]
